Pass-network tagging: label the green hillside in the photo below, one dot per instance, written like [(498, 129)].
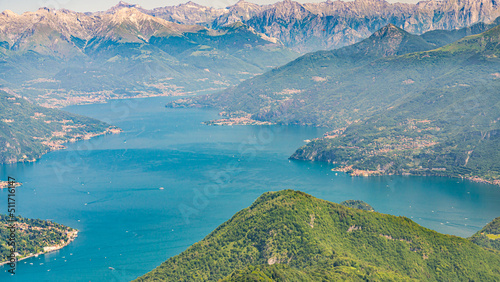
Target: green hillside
[(489, 236), (292, 236), (27, 131), (32, 236)]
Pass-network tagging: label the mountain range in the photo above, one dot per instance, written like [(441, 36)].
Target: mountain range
[(57, 57), (331, 24), (61, 57), (291, 236)]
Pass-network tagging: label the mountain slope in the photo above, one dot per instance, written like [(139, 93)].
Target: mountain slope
[(292, 236), (310, 72), (489, 236), (27, 131)]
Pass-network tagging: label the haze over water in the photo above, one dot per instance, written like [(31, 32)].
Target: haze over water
[(109, 189)]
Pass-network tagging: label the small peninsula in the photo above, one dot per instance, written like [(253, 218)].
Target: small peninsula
[(33, 237)]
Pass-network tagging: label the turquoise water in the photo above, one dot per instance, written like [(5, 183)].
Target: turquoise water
[(109, 189)]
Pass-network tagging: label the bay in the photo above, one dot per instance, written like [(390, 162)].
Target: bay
[(167, 181)]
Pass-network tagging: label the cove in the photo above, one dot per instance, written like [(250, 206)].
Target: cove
[(109, 188)]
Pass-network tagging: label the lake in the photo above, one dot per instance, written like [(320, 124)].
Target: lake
[(167, 181)]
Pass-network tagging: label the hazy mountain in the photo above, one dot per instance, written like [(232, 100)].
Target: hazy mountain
[(239, 12), (439, 38), (292, 236), (132, 51), (428, 113), (310, 71), (126, 52), (334, 24), (331, 24)]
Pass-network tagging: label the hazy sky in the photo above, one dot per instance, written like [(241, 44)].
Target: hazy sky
[(20, 6)]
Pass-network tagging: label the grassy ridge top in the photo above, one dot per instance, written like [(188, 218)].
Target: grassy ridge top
[(292, 236)]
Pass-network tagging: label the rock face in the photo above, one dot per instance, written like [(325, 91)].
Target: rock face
[(334, 24), (189, 13), (58, 29), (241, 11)]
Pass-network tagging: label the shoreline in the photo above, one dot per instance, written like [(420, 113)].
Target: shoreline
[(367, 173), (72, 236), (56, 146)]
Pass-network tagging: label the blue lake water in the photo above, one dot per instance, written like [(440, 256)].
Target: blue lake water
[(109, 189)]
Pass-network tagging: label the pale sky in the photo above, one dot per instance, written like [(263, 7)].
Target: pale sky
[(20, 6)]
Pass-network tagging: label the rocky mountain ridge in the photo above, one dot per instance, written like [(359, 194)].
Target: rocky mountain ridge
[(311, 26), (315, 26), (332, 24)]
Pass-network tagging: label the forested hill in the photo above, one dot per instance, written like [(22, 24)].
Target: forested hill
[(27, 131), (292, 236)]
